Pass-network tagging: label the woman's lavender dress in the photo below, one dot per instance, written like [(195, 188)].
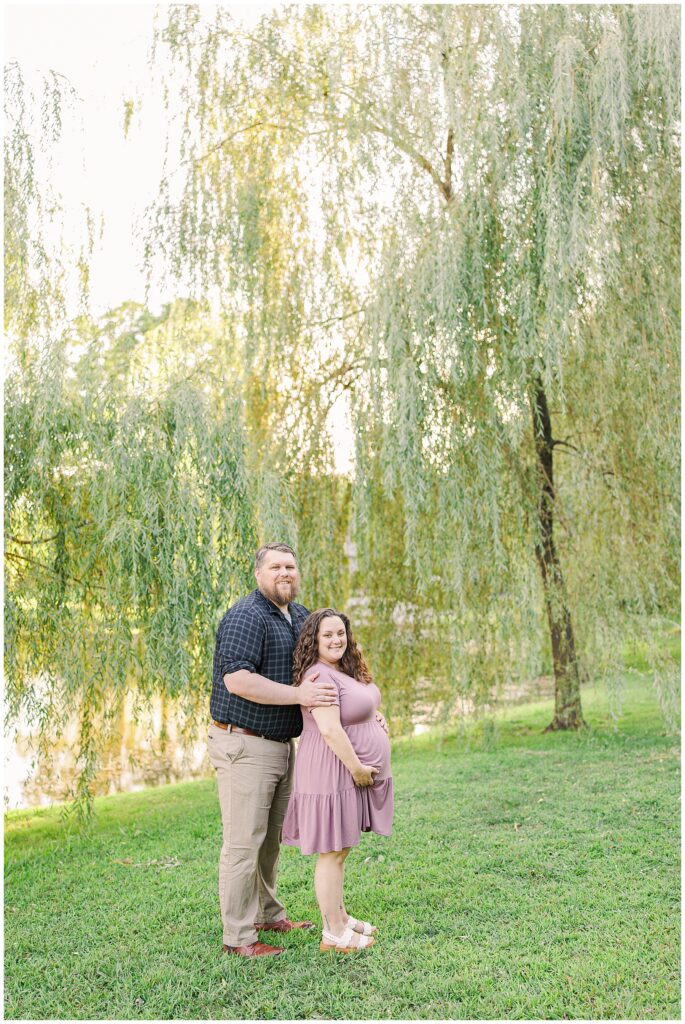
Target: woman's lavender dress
[(326, 810)]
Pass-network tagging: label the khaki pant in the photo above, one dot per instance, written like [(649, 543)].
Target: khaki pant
[(254, 778)]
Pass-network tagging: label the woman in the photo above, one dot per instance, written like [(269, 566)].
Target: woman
[(342, 783)]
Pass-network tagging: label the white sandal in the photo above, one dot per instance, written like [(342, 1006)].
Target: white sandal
[(349, 942), (361, 927)]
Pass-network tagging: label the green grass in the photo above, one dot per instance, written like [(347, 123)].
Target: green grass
[(529, 876)]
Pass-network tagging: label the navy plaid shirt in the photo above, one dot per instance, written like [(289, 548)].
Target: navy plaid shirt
[(254, 634)]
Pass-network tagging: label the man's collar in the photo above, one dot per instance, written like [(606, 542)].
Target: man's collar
[(271, 607)]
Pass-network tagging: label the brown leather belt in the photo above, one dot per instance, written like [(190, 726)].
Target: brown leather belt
[(229, 727)]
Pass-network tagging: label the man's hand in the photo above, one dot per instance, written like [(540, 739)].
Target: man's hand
[(316, 695)]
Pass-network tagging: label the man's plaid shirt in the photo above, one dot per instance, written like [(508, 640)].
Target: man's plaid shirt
[(255, 635)]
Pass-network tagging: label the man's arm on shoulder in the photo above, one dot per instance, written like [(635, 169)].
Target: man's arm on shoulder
[(241, 645), (312, 692), (259, 689)]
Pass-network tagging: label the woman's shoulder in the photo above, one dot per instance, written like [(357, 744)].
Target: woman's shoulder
[(327, 672), (344, 680)]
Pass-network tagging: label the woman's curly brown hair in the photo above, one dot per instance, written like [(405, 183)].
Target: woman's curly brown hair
[(307, 649)]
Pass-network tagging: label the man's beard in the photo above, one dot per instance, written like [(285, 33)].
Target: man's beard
[(281, 593)]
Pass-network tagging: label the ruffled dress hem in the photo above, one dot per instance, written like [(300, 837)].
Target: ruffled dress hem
[(334, 821)]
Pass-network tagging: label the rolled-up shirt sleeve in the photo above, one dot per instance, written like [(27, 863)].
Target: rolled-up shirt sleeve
[(241, 643)]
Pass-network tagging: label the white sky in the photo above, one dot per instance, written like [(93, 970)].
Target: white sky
[(102, 49)]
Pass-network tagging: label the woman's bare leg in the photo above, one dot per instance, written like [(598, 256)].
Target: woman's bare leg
[(343, 913), (345, 916), (328, 879)]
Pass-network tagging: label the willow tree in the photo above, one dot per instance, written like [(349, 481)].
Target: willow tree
[(546, 169), (490, 236), (129, 526), (129, 515)]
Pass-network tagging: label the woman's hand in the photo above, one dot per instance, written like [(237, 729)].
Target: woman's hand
[(382, 722), (364, 775)]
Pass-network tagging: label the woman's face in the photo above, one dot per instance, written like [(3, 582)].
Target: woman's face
[(332, 639)]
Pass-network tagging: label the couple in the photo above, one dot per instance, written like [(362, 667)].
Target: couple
[(279, 672)]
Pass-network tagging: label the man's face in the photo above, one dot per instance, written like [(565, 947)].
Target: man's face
[(278, 578)]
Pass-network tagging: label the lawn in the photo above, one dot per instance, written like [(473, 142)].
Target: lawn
[(529, 875)]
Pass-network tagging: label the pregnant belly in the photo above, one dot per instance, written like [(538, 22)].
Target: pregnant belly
[(371, 745)]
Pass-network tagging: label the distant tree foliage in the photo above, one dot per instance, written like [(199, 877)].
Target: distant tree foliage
[(129, 519), (478, 207)]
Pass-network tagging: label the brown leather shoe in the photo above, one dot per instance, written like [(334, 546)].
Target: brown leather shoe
[(284, 925), (255, 949)]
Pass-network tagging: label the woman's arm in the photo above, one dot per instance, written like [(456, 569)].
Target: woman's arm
[(328, 721)]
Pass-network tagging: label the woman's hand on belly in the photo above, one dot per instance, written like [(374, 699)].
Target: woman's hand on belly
[(382, 722), (365, 775), (372, 746)]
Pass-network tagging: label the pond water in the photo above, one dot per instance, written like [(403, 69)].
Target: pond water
[(149, 750), (143, 750)]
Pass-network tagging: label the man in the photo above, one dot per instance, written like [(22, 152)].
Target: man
[(255, 715)]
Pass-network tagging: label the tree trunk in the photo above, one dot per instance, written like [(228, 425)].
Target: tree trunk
[(567, 708)]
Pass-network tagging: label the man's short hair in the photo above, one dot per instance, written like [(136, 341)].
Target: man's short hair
[(259, 557)]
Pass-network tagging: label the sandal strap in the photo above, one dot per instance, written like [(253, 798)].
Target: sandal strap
[(367, 929), (347, 939), (338, 940)]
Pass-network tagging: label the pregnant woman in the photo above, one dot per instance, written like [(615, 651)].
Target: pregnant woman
[(342, 785)]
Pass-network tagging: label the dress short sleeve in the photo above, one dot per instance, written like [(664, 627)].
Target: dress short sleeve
[(325, 676), (330, 677)]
